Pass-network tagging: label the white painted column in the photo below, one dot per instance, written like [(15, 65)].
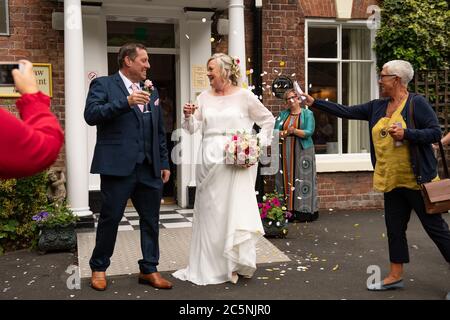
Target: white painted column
[(75, 130), (95, 62), (195, 50), (236, 34)]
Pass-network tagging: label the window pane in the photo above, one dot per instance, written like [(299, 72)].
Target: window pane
[(355, 90), (3, 17), (322, 79), (356, 44), (322, 42), (154, 35)]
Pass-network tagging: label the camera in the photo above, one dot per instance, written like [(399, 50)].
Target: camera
[(6, 68)]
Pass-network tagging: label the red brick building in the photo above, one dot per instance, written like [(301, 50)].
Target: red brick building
[(305, 40)]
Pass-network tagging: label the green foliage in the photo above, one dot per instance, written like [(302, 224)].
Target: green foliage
[(414, 30), (55, 214), (20, 199)]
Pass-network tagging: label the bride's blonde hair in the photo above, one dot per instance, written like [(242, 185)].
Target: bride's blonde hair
[(229, 67)]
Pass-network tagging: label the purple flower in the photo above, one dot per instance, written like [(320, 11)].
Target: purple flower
[(40, 216)]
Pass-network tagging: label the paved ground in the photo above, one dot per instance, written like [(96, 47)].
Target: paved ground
[(329, 260)]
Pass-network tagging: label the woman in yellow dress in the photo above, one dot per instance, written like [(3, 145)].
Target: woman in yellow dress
[(403, 158)]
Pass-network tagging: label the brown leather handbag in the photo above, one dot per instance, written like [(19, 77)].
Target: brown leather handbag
[(436, 194)]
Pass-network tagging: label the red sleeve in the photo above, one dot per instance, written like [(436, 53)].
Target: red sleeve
[(32, 144)]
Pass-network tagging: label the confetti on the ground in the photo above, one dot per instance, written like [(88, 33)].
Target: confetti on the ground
[(356, 225), (187, 36), (326, 229), (282, 63), (293, 75), (415, 246), (383, 235), (336, 267), (212, 39), (203, 20), (331, 209)]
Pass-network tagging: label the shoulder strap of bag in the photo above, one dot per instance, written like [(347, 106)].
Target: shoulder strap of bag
[(441, 147), (444, 161)]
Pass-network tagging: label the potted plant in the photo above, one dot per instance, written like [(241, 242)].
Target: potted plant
[(57, 227), (274, 215)]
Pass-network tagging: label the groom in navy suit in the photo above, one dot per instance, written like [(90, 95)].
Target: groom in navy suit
[(132, 160)]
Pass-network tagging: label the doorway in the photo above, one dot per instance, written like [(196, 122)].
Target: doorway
[(162, 72)]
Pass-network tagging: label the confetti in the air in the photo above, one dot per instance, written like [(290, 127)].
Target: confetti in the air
[(187, 36), (282, 63)]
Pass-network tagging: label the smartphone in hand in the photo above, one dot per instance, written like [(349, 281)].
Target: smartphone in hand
[(6, 68)]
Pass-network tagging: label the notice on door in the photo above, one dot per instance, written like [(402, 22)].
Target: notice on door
[(199, 78)]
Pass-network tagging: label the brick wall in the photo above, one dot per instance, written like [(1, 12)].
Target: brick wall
[(32, 37), (353, 190), (327, 9), (283, 53)]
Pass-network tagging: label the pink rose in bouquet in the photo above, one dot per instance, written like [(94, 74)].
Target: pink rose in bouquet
[(243, 149)]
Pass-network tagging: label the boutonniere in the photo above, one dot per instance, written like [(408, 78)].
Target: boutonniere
[(148, 86)]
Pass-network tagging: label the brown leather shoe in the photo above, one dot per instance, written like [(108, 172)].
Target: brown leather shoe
[(155, 280), (98, 280)]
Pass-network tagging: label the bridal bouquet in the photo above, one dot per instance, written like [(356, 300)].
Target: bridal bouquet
[(243, 149)]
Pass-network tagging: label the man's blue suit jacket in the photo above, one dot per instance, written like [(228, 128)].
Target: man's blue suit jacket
[(118, 128)]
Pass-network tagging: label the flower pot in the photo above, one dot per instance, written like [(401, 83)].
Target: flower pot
[(59, 238), (273, 229)]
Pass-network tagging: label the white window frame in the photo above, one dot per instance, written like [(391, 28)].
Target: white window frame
[(341, 161), (7, 33)]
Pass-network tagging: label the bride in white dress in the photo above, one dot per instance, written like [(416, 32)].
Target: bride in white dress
[(226, 224)]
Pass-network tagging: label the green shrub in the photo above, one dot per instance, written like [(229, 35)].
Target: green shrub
[(414, 30), (20, 199)]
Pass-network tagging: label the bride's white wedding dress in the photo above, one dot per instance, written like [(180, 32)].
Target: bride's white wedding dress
[(226, 224)]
